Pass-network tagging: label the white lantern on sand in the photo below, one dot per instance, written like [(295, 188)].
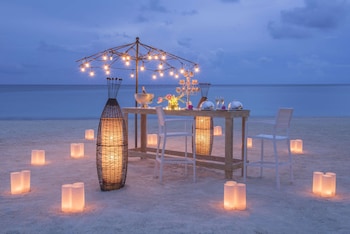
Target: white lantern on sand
[(38, 157), (20, 182), (89, 134), (152, 139), (77, 150), (73, 197), (217, 131), (296, 146)]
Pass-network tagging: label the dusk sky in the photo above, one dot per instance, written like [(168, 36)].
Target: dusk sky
[(233, 41)]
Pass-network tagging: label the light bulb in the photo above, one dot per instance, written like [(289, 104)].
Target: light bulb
[(171, 73), (82, 69), (87, 65), (92, 73), (104, 57), (132, 75), (182, 70), (127, 63), (142, 68), (108, 72), (154, 77), (160, 66), (105, 67)]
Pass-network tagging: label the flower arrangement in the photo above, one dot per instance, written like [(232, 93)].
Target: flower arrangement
[(173, 101)]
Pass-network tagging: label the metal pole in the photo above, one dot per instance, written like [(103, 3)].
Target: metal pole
[(137, 85)]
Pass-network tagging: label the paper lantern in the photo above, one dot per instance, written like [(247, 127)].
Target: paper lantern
[(217, 131), (333, 182), (20, 182), (229, 190), (89, 134), (235, 196), (249, 142), (296, 146), (112, 142), (38, 157), (240, 196), (152, 139), (73, 197), (204, 135), (324, 184), (77, 150), (317, 182)]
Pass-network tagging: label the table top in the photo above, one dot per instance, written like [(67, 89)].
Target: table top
[(194, 112)]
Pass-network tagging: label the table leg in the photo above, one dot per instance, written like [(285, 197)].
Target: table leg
[(143, 132), (228, 147), (244, 144)]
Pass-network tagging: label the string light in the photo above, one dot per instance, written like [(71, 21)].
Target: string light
[(141, 53)]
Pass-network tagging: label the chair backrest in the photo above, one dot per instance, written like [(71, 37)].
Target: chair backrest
[(283, 118), (161, 116)]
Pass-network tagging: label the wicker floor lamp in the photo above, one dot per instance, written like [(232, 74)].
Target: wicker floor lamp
[(112, 142), (204, 126)]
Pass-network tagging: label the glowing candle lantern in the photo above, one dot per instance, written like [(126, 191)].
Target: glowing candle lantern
[(73, 197), (204, 135), (249, 142), (89, 134), (152, 139), (38, 157), (229, 190), (217, 131), (20, 182), (326, 185), (333, 182), (78, 197), (317, 182), (66, 198), (77, 150), (296, 146), (16, 182), (25, 181), (240, 196)]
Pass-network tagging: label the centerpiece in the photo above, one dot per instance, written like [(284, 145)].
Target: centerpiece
[(173, 101)]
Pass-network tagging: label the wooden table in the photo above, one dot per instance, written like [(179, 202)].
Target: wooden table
[(227, 163)]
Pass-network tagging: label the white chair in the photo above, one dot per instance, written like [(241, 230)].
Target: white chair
[(165, 130), (279, 131)]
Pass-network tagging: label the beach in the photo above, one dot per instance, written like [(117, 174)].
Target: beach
[(177, 205)]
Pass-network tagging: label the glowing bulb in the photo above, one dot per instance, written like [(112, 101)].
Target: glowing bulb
[(160, 66), (87, 65), (104, 57), (196, 69), (108, 72), (123, 58), (82, 69), (142, 68), (149, 57), (127, 63), (92, 73), (163, 57), (176, 75), (156, 57), (111, 57), (182, 70), (171, 73), (161, 74), (154, 77), (105, 67), (132, 75), (128, 57)]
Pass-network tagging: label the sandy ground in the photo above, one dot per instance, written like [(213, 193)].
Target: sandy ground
[(178, 205)]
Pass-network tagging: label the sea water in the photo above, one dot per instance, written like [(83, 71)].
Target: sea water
[(87, 101)]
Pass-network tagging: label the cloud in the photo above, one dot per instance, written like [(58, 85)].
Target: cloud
[(189, 12), (303, 22), (154, 5), (229, 0)]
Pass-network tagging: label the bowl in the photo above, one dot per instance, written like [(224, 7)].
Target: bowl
[(144, 98), (235, 105), (207, 105)]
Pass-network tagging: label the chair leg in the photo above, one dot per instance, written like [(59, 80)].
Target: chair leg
[(276, 165), (290, 162), (161, 164), (261, 157), (156, 163)]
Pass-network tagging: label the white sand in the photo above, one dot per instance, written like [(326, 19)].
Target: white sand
[(178, 205)]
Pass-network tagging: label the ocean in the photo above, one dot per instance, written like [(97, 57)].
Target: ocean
[(87, 101)]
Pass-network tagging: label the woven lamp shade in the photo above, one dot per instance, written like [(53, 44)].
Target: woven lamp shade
[(112, 147), (204, 135)]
